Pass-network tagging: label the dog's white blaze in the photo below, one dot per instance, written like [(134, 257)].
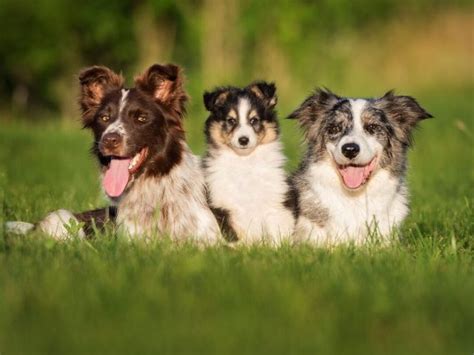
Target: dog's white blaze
[(358, 135), (123, 100), (369, 146), (357, 107), (244, 129), (243, 109), (252, 188), (117, 126)]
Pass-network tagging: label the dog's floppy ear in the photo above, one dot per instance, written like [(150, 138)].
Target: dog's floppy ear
[(95, 82), (404, 111), (314, 107), (264, 91), (165, 84), (215, 99)]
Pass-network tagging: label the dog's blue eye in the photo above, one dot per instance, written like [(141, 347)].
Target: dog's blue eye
[(372, 128), (334, 129)]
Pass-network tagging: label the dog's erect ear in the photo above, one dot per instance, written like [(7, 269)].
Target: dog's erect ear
[(404, 111), (215, 99), (314, 107), (165, 84), (264, 91), (95, 82)]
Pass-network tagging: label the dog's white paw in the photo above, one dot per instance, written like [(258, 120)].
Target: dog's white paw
[(59, 225), (18, 227)]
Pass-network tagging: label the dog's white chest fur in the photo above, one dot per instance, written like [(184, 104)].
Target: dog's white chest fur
[(174, 204), (350, 216), (252, 189)]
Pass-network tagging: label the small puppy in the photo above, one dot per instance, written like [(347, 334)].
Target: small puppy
[(352, 180), (244, 164), (147, 169)]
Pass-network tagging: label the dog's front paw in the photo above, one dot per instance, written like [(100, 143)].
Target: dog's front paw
[(61, 224)]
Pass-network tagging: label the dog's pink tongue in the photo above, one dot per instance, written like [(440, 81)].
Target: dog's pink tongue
[(116, 177), (353, 176)]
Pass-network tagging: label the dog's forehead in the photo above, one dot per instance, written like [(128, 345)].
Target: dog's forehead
[(342, 104), (133, 98), (341, 111), (112, 97), (348, 111), (233, 101), (131, 95), (356, 108), (372, 112), (121, 98)]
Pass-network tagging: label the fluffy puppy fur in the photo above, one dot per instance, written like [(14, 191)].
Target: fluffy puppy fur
[(352, 180), (147, 169), (243, 165)]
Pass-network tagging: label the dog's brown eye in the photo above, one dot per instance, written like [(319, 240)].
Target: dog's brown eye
[(253, 121), (142, 118), (372, 128), (231, 121), (335, 129), (104, 118)]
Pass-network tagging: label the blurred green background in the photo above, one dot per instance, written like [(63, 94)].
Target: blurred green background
[(359, 47)]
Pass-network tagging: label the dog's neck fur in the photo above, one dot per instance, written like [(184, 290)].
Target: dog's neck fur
[(330, 214), (173, 204), (252, 189)]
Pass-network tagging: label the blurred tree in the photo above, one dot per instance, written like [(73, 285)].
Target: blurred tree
[(45, 42)]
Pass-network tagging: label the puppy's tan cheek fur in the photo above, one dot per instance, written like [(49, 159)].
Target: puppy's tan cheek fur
[(268, 133), (218, 136)]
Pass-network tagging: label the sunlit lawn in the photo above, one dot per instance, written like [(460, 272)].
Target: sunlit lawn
[(111, 296)]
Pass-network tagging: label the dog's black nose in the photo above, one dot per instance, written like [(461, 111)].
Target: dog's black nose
[(243, 140), (350, 150), (111, 140)]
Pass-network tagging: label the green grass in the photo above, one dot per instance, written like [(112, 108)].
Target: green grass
[(112, 296)]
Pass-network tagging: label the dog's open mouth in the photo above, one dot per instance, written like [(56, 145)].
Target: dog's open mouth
[(354, 176), (120, 170)]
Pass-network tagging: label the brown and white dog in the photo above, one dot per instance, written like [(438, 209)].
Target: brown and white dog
[(147, 169)]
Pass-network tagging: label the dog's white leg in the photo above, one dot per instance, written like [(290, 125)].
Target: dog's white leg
[(280, 227), (308, 232), (18, 227), (58, 224), (207, 230)]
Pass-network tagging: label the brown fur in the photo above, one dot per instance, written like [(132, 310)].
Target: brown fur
[(165, 84), (218, 136), (96, 219), (263, 92), (95, 83), (269, 133), (160, 92), (166, 195)]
